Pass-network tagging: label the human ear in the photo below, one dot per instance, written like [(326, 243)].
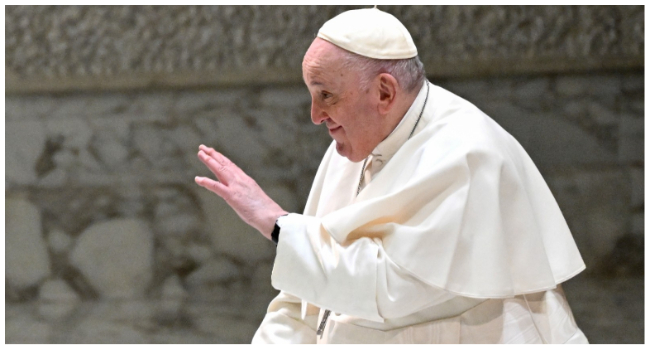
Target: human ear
[(387, 92)]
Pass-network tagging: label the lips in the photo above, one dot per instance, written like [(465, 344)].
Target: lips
[(334, 129)]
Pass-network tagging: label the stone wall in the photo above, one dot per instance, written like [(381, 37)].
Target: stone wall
[(102, 205), (61, 48), (108, 239)]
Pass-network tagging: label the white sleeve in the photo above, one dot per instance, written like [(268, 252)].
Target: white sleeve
[(357, 279), (283, 324)]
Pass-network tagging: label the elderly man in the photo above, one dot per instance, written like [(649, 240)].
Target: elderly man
[(426, 222)]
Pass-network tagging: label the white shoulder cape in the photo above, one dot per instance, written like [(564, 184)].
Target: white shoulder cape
[(461, 206)]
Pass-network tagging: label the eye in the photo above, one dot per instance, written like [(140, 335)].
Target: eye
[(325, 95)]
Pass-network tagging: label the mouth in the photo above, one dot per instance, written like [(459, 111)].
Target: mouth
[(332, 126), (335, 129)]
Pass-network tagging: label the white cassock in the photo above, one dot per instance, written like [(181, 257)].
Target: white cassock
[(456, 239)]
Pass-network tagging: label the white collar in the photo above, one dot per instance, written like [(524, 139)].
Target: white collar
[(389, 146)]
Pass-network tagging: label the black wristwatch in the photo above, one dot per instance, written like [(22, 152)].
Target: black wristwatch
[(276, 230)]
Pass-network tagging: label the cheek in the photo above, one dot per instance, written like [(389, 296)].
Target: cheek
[(356, 125), (368, 125), (362, 115)]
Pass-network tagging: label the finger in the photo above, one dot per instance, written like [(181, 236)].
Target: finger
[(233, 170), (206, 149), (221, 171), (217, 169), (215, 186), (219, 157), (209, 151)]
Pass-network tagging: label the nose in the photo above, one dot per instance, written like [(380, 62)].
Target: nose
[(318, 115)]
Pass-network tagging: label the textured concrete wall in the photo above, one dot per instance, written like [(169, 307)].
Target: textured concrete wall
[(108, 239), (62, 47)]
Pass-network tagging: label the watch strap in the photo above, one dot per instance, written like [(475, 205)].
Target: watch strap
[(275, 235)]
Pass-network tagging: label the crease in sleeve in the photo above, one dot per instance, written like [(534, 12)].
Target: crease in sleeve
[(399, 293), (322, 272)]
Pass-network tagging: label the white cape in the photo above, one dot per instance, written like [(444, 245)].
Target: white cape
[(461, 206)]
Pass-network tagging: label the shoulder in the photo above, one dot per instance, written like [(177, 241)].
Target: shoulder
[(458, 129)]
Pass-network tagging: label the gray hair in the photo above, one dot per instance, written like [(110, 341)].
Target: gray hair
[(409, 72)]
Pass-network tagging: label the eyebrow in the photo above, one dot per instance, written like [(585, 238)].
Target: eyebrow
[(316, 82)]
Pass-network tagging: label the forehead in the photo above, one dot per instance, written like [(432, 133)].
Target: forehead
[(323, 61)]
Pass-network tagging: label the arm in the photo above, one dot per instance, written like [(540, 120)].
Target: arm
[(358, 279)]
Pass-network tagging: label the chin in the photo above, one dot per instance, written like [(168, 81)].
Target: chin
[(345, 151)]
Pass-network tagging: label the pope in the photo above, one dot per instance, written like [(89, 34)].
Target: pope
[(426, 222)]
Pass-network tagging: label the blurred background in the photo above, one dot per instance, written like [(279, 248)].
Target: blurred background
[(108, 239)]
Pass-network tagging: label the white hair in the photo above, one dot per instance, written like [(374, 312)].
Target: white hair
[(409, 72)]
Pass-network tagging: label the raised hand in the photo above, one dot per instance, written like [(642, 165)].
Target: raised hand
[(240, 191)]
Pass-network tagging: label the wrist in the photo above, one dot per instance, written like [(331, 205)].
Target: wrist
[(271, 222)]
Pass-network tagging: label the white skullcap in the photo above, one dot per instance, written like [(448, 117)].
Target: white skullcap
[(370, 33)]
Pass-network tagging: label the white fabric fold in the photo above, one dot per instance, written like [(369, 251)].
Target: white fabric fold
[(445, 244), (460, 206), (358, 279), (283, 323), (312, 267)]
